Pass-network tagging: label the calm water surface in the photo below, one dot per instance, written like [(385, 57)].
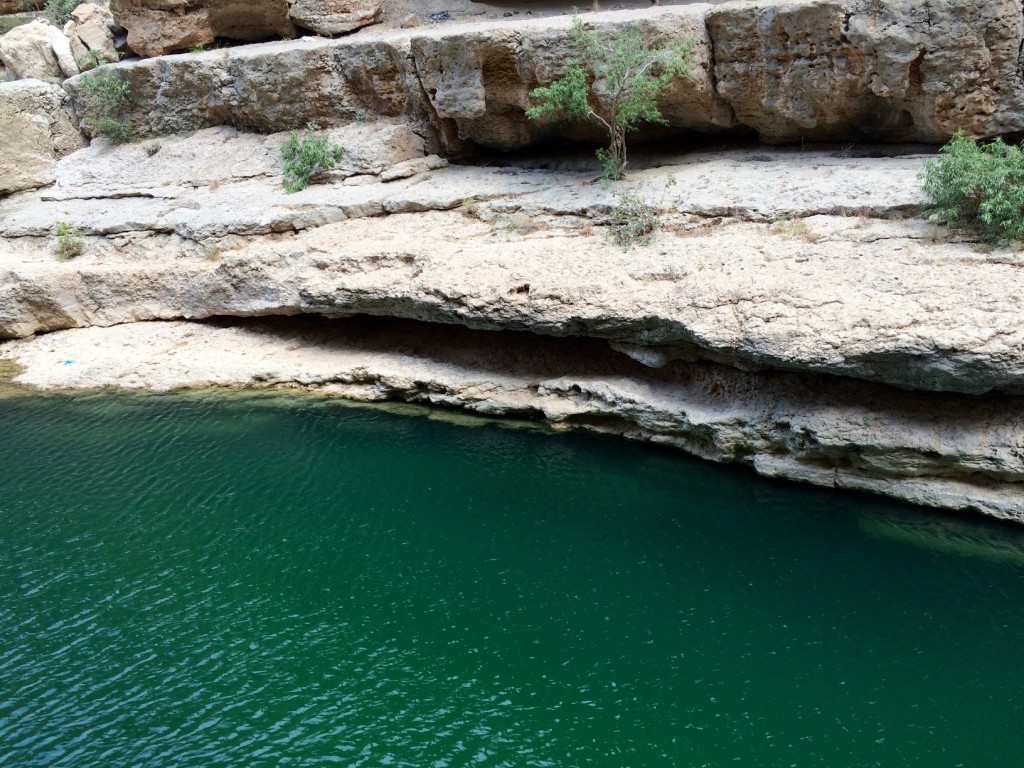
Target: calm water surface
[(268, 581)]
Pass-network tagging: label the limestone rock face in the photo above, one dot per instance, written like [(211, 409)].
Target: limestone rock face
[(841, 69), (35, 132), (334, 17), (788, 70), (38, 50), (157, 27), (91, 29)]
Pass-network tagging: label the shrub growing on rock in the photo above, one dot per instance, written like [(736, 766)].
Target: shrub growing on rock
[(66, 242), (979, 187), (628, 76), (306, 157), (106, 97), (59, 11)]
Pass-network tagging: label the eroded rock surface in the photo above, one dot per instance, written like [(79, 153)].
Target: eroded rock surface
[(334, 17), (35, 132), (789, 71), (942, 451)]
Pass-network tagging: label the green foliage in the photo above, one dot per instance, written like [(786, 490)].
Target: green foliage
[(93, 59), (307, 156), (59, 11), (67, 244), (979, 187), (106, 97), (628, 77), (633, 220)]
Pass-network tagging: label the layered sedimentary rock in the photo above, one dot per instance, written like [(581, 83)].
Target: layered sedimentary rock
[(36, 132), (789, 70), (937, 450)]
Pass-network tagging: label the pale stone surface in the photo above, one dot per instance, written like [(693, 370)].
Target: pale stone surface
[(788, 70), (35, 132), (860, 297), (334, 17), (946, 451), (37, 50), (91, 29)]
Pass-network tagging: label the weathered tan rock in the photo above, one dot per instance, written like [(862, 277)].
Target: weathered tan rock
[(38, 50), (91, 29), (35, 132), (157, 27), (334, 17), (947, 451), (789, 70), (894, 68)]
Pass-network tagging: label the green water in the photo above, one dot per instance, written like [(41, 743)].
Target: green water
[(255, 581)]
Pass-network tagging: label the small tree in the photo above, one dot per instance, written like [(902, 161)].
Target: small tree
[(107, 96), (628, 77)]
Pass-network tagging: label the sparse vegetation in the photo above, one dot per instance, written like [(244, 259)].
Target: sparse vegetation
[(979, 188), (797, 228), (621, 93), (66, 242), (93, 59), (59, 11), (107, 96), (307, 157), (633, 221)]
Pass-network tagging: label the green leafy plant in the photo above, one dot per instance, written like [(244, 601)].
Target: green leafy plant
[(59, 11), (633, 221), (107, 96), (93, 59), (979, 188), (622, 92), (66, 242), (306, 157)]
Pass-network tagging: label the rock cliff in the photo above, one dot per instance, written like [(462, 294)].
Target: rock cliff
[(785, 71), (797, 312)]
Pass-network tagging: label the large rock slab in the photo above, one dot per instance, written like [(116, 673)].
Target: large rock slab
[(35, 132), (157, 27), (946, 451), (334, 17), (787, 71), (525, 249)]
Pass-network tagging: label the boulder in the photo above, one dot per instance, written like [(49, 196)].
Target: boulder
[(334, 17), (36, 131), (91, 30), (38, 50), (157, 27)]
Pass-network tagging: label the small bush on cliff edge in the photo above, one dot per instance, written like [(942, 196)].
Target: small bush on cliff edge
[(307, 156), (628, 76), (979, 187)]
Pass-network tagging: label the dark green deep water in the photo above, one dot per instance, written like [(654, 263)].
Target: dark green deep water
[(226, 580)]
